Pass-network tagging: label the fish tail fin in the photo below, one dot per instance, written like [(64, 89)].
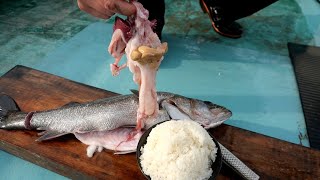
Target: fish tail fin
[(7, 106), (10, 115)]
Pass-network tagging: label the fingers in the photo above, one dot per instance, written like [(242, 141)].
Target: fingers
[(106, 8), (123, 7), (95, 8), (92, 11)]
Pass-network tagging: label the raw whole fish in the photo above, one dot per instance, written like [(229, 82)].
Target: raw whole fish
[(144, 51), (108, 123)]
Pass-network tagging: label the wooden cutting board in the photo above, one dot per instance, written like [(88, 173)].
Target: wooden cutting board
[(36, 91)]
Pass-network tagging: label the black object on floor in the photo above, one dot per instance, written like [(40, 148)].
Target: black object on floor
[(306, 63)]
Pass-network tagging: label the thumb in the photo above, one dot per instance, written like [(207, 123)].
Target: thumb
[(125, 8)]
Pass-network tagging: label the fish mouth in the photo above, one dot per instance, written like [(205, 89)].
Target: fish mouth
[(221, 115), (221, 110), (217, 109)]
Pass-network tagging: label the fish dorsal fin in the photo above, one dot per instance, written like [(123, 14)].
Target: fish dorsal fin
[(135, 92)]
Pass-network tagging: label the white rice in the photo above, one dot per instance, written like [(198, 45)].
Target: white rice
[(178, 150)]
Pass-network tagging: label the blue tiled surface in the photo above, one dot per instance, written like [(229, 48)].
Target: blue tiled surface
[(258, 87)]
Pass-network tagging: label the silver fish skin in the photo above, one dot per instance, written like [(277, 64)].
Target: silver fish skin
[(111, 113), (100, 115)]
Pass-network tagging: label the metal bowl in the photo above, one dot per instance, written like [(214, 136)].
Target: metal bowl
[(216, 165)]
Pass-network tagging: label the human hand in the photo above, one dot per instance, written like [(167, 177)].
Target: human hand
[(106, 8)]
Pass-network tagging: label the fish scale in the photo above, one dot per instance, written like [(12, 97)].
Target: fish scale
[(99, 115), (103, 121)]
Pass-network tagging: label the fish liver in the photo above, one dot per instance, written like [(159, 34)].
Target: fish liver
[(35, 90)]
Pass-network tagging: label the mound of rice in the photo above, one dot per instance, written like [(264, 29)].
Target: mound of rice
[(178, 150)]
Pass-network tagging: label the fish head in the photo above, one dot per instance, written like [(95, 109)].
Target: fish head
[(160, 117), (206, 113)]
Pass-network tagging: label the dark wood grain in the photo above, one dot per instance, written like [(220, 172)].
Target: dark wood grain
[(34, 90)]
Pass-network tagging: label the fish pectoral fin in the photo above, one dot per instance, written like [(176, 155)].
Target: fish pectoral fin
[(46, 135), (43, 129)]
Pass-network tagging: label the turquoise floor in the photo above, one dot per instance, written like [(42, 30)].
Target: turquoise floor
[(252, 76)]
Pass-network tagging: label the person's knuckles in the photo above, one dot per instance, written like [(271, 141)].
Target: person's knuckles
[(109, 13), (81, 6), (110, 5)]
